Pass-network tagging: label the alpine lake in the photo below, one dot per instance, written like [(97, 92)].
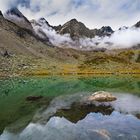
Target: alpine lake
[(49, 108)]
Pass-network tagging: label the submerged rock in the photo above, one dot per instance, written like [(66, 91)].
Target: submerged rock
[(102, 96), (33, 98), (104, 133)]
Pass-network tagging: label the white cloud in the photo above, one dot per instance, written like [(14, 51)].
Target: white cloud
[(5, 4), (124, 38), (56, 39), (120, 39), (94, 13)]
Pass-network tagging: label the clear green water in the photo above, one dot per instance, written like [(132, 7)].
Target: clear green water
[(15, 109)]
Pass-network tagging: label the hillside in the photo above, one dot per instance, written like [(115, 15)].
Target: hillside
[(23, 52)]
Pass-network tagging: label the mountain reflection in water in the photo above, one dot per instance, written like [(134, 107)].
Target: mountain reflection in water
[(94, 126)]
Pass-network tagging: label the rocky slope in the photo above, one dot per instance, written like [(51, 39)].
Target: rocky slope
[(23, 52), (17, 40), (79, 30), (1, 13), (137, 24), (39, 25), (75, 29)]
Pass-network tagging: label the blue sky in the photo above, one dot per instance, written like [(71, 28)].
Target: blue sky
[(94, 13)]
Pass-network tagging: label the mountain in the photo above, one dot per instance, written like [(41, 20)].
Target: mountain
[(123, 28), (40, 22), (1, 13), (79, 30), (137, 25), (39, 26), (106, 31), (75, 29), (17, 40), (44, 30), (22, 52), (15, 16)]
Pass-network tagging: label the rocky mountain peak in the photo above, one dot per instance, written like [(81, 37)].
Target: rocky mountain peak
[(15, 12), (43, 20), (137, 25), (15, 16), (73, 20), (123, 28), (1, 13), (75, 29), (107, 30)]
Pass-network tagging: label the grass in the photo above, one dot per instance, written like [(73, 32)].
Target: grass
[(122, 62)]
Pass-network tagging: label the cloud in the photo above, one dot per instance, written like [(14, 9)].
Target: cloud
[(4, 5), (44, 31), (124, 38), (94, 13)]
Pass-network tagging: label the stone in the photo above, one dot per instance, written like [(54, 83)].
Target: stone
[(104, 133), (102, 96), (1, 13), (33, 98)]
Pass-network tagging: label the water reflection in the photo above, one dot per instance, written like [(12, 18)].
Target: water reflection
[(79, 112), (61, 97), (74, 108), (94, 126)]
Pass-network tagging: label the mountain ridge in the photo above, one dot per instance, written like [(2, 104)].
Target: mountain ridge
[(71, 34), (15, 16), (66, 27), (77, 29), (22, 52)]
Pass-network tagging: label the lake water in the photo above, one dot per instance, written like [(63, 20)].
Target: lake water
[(58, 114)]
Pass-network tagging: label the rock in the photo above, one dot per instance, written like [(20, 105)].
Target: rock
[(138, 116), (6, 54), (78, 30), (102, 96), (105, 31), (33, 98), (1, 13), (104, 133), (137, 25)]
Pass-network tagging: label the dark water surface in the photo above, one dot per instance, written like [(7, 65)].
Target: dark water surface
[(57, 115)]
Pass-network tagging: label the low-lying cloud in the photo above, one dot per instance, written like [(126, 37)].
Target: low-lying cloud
[(43, 30), (124, 38)]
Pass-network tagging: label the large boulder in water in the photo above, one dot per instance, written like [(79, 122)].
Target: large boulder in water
[(102, 96)]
